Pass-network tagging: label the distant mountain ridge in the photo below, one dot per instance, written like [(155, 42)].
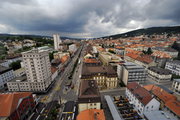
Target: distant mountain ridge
[(4, 36), (148, 31)]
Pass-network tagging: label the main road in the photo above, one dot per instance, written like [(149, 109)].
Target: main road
[(58, 91)]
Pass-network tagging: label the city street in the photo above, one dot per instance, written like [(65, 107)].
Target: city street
[(58, 91)]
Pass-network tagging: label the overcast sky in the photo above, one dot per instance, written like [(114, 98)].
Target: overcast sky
[(92, 18)]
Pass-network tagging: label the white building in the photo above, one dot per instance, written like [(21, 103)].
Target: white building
[(7, 62), (160, 75), (72, 48), (38, 70), (130, 72), (173, 66), (6, 74), (57, 41), (141, 99), (176, 85)]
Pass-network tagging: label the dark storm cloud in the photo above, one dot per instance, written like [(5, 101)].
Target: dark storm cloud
[(87, 16)]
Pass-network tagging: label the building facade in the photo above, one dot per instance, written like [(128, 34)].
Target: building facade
[(6, 74), (89, 96), (38, 71), (141, 99), (16, 106), (57, 42), (173, 66), (160, 75), (176, 85), (130, 72), (105, 76)]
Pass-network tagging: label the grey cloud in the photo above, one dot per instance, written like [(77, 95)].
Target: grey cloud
[(91, 16)]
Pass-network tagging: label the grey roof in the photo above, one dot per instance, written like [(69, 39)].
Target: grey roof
[(158, 115), (177, 80), (132, 66), (4, 69), (171, 50), (112, 108), (160, 71), (19, 79), (175, 62)]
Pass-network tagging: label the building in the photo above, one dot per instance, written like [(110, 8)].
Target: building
[(173, 66), (145, 61), (176, 86), (38, 72), (89, 96), (57, 42), (91, 114), (158, 115), (16, 106), (108, 58), (72, 48), (20, 72), (130, 72), (173, 107), (160, 94), (105, 76), (172, 52), (6, 74), (141, 99), (10, 60), (160, 75)]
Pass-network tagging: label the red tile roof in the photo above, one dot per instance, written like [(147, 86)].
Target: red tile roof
[(132, 55), (9, 102), (91, 114), (174, 106), (91, 60), (161, 54), (64, 58), (145, 59), (142, 94), (53, 69), (160, 93)]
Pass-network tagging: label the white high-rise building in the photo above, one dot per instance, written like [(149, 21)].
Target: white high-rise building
[(38, 72), (57, 41)]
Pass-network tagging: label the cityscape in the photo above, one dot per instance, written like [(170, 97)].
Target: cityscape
[(55, 73)]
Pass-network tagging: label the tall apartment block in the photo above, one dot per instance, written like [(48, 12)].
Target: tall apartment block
[(130, 72), (57, 41), (38, 72)]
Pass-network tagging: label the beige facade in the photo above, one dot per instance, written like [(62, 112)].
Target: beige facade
[(85, 106), (104, 82), (176, 86), (38, 71), (108, 58)]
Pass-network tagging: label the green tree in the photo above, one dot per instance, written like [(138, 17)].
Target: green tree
[(15, 65), (149, 51)]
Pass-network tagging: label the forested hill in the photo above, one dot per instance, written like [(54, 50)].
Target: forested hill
[(149, 31)]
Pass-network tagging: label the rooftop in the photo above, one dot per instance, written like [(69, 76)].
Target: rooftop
[(90, 70), (91, 114), (158, 115), (174, 106), (160, 93), (9, 102), (175, 62), (88, 91), (141, 93), (160, 71), (4, 69)]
